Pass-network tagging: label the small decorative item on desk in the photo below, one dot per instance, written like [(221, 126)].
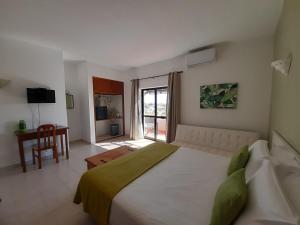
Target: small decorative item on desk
[(22, 125), (114, 129)]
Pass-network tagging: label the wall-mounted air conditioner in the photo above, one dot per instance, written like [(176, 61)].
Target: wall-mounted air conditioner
[(199, 57)]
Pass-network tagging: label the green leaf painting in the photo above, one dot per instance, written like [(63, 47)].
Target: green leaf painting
[(222, 96)]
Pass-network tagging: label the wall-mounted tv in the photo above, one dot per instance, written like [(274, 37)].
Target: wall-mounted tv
[(40, 95)]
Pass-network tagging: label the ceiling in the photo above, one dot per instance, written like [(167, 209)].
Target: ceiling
[(130, 33)]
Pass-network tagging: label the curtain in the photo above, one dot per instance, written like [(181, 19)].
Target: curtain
[(173, 117), (135, 117)]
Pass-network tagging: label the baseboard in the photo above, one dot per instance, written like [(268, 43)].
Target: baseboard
[(28, 162)]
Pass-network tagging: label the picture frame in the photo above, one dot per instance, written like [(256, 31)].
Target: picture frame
[(219, 96), (69, 101)]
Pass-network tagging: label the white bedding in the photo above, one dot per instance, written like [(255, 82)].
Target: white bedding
[(178, 191)]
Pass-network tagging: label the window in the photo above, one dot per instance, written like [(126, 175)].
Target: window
[(154, 113)]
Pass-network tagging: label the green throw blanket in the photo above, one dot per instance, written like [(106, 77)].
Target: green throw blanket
[(98, 186)]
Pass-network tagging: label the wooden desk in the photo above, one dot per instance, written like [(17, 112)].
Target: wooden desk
[(32, 134)]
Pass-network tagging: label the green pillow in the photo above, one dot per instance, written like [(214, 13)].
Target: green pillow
[(230, 199), (239, 160)]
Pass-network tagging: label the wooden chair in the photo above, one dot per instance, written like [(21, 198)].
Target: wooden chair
[(46, 139)]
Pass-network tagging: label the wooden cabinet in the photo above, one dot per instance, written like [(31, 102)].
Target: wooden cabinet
[(117, 87), (106, 86)]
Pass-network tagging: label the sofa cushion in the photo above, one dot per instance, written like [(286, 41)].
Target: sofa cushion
[(214, 138)]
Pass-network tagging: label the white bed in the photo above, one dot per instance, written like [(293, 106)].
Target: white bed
[(179, 191)]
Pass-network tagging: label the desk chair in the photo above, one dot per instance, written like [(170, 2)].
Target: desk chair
[(46, 139)]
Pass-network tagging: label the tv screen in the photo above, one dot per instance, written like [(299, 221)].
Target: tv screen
[(40, 95)]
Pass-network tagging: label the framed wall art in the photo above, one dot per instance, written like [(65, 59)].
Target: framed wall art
[(219, 96)]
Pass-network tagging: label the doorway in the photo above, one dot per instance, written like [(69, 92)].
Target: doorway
[(154, 113), (109, 108)]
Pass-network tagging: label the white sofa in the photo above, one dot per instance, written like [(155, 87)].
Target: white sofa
[(213, 139)]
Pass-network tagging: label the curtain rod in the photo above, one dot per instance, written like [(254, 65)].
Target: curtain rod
[(162, 75)]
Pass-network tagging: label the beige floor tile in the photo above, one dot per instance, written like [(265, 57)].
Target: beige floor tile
[(45, 197)]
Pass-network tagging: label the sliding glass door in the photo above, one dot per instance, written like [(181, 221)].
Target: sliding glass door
[(154, 113)]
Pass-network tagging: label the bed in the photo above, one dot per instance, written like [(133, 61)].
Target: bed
[(179, 190), (184, 183)]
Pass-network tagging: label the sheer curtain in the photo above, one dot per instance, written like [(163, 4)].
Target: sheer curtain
[(174, 96), (135, 113)]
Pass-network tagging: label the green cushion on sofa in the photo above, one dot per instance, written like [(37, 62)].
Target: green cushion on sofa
[(230, 199), (239, 160)]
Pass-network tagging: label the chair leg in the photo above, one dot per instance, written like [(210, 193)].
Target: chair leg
[(62, 145), (33, 157), (40, 159), (55, 153)]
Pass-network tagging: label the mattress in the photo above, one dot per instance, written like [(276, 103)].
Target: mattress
[(179, 190)]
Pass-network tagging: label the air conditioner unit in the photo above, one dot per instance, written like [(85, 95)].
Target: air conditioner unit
[(199, 57)]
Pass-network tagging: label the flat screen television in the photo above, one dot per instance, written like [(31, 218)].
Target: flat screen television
[(40, 95)]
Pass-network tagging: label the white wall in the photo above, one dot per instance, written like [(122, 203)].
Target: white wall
[(247, 63), (72, 87), (156, 82), (164, 67), (27, 65), (84, 101), (103, 127)]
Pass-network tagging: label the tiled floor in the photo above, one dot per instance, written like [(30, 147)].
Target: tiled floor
[(44, 197)]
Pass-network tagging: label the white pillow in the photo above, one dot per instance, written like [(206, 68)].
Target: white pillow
[(285, 156), (291, 185), (258, 152), (267, 203), (282, 170), (259, 144)]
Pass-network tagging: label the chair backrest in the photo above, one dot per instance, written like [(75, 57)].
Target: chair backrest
[(46, 133)]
